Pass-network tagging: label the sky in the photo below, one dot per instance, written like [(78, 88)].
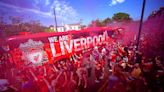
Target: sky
[(74, 11)]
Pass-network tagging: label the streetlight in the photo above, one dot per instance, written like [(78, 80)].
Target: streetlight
[(141, 22), (55, 19)]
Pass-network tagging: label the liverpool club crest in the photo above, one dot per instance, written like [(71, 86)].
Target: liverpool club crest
[(33, 52)]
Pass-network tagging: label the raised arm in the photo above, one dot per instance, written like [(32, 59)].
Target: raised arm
[(33, 75)]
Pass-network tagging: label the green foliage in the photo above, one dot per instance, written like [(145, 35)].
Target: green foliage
[(98, 23), (49, 30), (121, 17), (101, 23), (18, 25), (83, 26), (106, 21)]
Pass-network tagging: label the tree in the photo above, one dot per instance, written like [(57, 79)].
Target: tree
[(16, 19), (83, 26), (121, 17), (35, 26), (96, 23), (49, 30), (106, 21)]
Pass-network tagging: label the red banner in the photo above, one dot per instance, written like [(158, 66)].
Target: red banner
[(44, 47)]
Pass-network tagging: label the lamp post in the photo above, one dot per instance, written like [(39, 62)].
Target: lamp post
[(141, 22), (55, 19)]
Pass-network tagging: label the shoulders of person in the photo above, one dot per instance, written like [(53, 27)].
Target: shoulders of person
[(9, 90)]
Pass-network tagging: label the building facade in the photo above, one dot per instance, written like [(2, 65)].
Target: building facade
[(67, 27)]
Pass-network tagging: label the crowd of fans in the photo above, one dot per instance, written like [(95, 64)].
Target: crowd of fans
[(112, 67)]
